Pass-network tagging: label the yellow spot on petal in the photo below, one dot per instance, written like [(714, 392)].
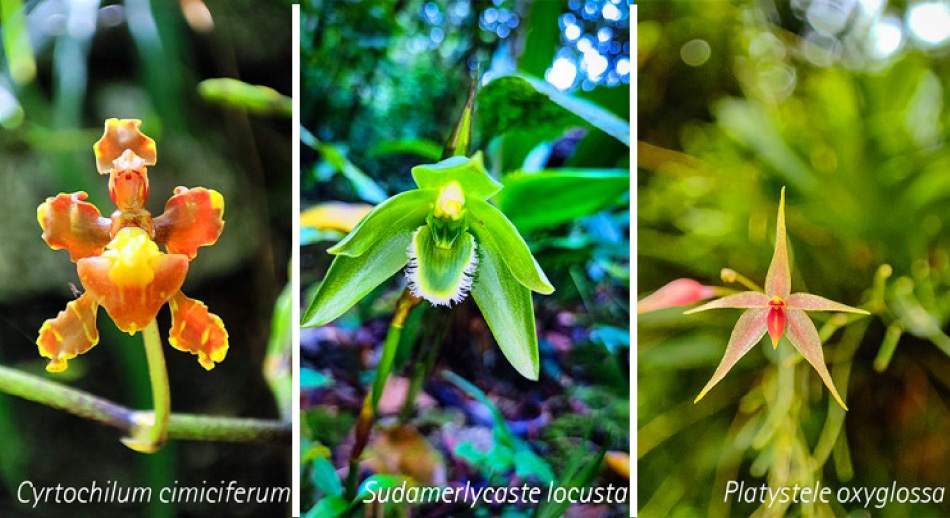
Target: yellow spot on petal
[(217, 201)]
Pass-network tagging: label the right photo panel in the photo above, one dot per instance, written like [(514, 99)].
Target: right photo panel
[(793, 263), (465, 261)]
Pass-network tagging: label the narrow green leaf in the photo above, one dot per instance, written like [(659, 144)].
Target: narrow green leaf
[(460, 142), (496, 235), (520, 102), (749, 126), (500, 425), (238, 94), (350, 278), (377, 482), (398, 216), (579, 472), (324, 477), (506, 305), (593, 114), (529, 463), (527, 199), (365, 187), (420, 147), (468, 172), (329, 507), (543, 38)]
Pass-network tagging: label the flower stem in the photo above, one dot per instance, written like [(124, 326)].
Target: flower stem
[(730, 275), (180, 426), (364, 424), (150, 429)]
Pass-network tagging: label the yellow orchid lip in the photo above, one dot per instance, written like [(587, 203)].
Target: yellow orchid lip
[(119, 260)]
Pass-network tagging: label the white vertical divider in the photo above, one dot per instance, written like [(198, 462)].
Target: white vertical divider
[(633, 261), (295, 263)]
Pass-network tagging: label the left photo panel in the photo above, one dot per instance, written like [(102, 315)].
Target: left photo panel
[(146, 229)]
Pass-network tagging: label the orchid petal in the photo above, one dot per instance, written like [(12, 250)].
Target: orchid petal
[(193, 218), (809, 302), (744, 300), (508, 310), (70, 334), (120, 135), (70, 223), (196, 331), (778, 281), (492, 229), (468, 172), (801, 332), (749, 330), (680, 292), (398, 216), (349, 279)]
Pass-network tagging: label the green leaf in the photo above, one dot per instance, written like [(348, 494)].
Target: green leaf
[(580, 472), (349, 279), (543, 38), (748, 125), (524, 102), (551, 198), (496, 235), (460, 142), (529, 463), (365, 187), (324, 477), (311, 379), (398, 216), (238, 94), (329, 507), (506, 305), (500, 427), (468, 172), (420, 147), (381, 482)]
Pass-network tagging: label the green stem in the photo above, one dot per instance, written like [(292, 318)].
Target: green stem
[(150, 429), (180, 426), (730, 275), (424, 363), (364, 424)]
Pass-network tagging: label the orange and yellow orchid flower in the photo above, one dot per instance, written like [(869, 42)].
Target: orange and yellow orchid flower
[(118, 258)]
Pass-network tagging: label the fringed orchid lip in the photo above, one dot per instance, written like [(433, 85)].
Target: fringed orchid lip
[(118, 258), (442, 254)]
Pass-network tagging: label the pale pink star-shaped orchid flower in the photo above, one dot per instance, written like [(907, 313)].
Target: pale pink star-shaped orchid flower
[(778, 312)]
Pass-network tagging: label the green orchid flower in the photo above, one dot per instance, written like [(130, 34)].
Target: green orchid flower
[(777, 312), (451, 242)]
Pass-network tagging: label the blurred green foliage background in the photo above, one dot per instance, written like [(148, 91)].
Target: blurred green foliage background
[(65, 68), (845, 104)]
